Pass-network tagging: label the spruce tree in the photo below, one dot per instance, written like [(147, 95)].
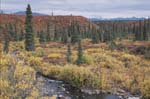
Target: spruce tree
[(42, 37), (21, 36), (64, 35), (16, 37), (135, 31), (69, 51), (140, 36), (148, 28), (74, 30), (29, 35), (101, 35), (6, 44), (80, 59), (48, 37), (10, 29), (38, 34), (56, 33), (95, 36), (145, 33)]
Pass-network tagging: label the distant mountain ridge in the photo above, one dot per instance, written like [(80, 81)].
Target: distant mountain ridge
[(117, 19), (91, 19), (33, 13)]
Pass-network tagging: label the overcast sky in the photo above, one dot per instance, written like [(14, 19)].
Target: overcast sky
[(88, 8)]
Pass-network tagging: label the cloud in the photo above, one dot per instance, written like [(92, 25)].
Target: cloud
[(88, 8)]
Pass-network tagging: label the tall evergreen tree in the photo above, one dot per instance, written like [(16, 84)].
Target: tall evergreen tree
[(148, 28), (29, 35), (101, 35), (38, 34), (21, 36), (95, 36), (140, 36), (64, 35), (16, 37), (6, 43), (10, 28), (74, 31), (145, 32), (134, 30), (80, 59), (57, 33), (48, 36), (69, 51), (42, 37)]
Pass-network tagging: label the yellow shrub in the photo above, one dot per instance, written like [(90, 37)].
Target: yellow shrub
[(130, 60), (53, 71), (145, 89), (30, 97), (35, 61), (105, 81), (4, 97), (23, 85), (24, 72), (55, 56), (107, 61), (88, 59), (35, 93), (4, 84), (78, 76), (3, 61), (93, 50), (38, 53), (17, 46), (8, 60)]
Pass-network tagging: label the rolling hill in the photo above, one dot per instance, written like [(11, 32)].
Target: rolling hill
[(40, 22)]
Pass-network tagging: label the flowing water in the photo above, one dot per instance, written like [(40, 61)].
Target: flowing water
[(59, 90)]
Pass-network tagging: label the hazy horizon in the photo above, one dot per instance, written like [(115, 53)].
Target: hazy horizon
[(87, 8)]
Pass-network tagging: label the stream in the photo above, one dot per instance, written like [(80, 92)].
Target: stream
[(59, 90)]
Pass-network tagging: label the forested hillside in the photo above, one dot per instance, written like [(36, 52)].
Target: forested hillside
[(40, 22)]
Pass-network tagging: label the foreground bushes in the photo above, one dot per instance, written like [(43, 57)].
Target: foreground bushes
[(103, 69), (107, 70), (17, 81), (79, 77), (145, 89)]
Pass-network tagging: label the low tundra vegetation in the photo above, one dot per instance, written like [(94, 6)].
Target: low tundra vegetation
[(103, 69)]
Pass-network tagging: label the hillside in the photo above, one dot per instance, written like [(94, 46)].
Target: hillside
[(40, 22)]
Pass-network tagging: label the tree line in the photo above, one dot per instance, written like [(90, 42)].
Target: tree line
[(134, 30), (102, 31)]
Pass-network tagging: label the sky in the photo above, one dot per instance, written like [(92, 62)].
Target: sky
[(87, 8)]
